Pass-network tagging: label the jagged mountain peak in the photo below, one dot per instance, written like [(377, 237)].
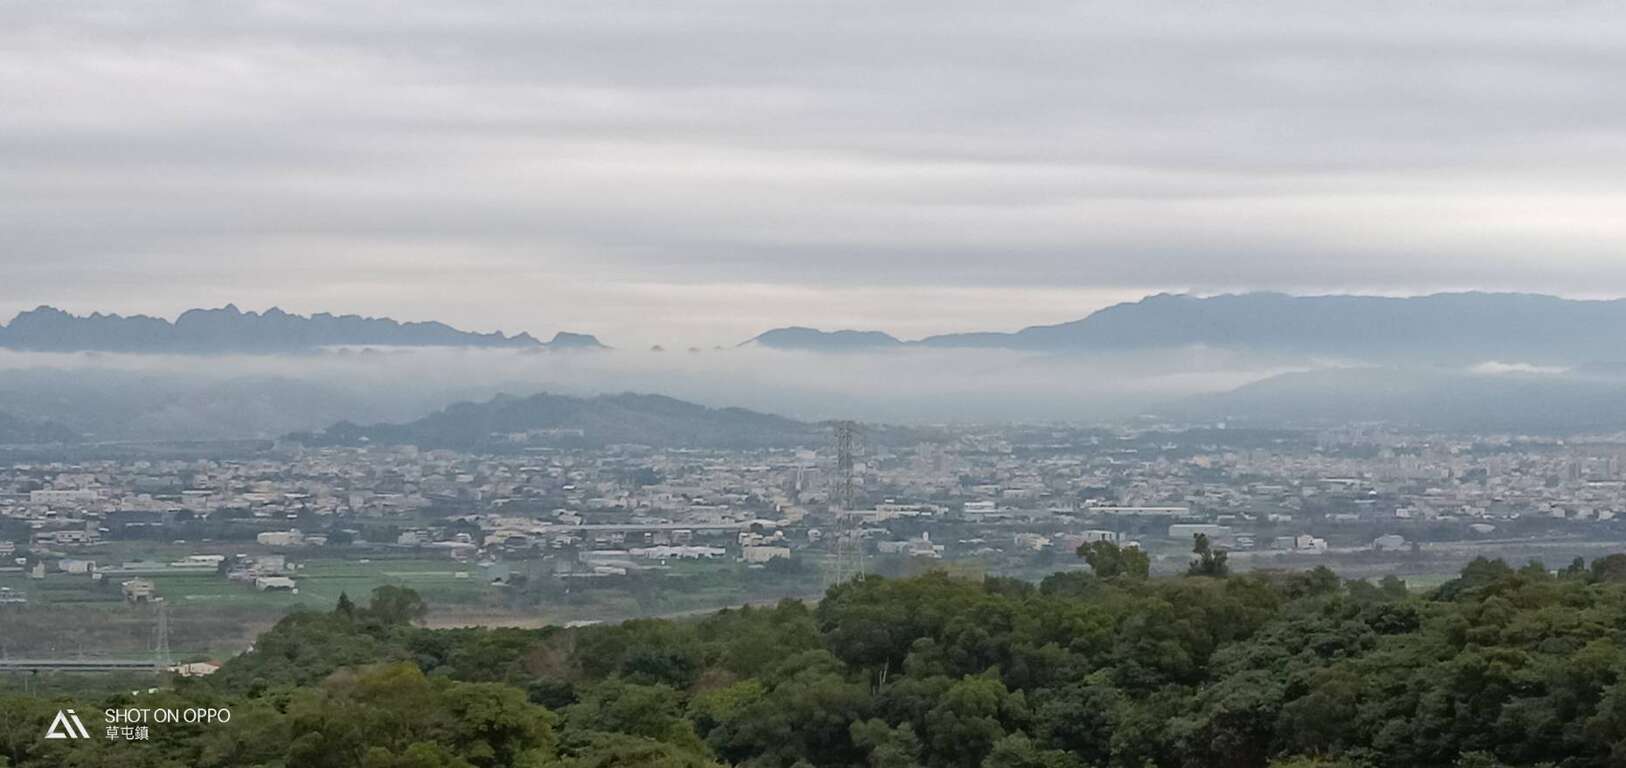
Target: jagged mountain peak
[(230, 329)]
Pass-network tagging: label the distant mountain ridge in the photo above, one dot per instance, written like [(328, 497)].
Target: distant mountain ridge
[(654, 420), (1429, 398), (1452, 326), (799, 337), (567, 340), (231, 330)]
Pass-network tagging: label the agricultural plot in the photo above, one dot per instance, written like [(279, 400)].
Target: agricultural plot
[(209, 615)]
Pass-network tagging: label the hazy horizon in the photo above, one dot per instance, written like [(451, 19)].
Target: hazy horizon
[(674, 343)]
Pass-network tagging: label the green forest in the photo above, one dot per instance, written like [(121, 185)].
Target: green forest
[(1502, 666)]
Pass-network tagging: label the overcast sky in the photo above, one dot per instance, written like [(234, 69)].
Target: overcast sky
[(696, 172)]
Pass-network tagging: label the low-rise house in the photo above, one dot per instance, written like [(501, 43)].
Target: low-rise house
[(75, 565), (275, 583), (291, 538), (139, 590), (763, 554)]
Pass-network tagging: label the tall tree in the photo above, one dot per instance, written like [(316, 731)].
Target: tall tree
[(1209, 562)]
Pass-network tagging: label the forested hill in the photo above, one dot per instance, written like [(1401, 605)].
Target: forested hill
[(15, 430), (1500, 667), (512, 422)]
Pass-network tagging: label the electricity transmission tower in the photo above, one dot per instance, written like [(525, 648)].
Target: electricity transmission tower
[(846, 540)]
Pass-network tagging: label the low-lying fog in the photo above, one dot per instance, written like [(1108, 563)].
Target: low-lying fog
[(176, 397), (124, 397)]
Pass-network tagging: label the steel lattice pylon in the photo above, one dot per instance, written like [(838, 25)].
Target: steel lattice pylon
[(846, 540), (161, 656)]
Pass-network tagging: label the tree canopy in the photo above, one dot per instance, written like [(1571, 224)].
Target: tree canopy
[(1105, 668)]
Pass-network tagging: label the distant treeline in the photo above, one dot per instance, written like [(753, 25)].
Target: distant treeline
[(1500, 666)]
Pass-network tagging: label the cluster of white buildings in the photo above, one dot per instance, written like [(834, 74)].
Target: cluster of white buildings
[(983, 492)]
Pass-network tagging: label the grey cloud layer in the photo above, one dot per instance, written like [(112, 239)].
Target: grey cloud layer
[(551, 161)]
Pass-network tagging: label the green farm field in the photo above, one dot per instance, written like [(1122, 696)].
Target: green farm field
[(209, 616)]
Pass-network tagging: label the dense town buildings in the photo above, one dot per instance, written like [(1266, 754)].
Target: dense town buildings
[(1006, 498)]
